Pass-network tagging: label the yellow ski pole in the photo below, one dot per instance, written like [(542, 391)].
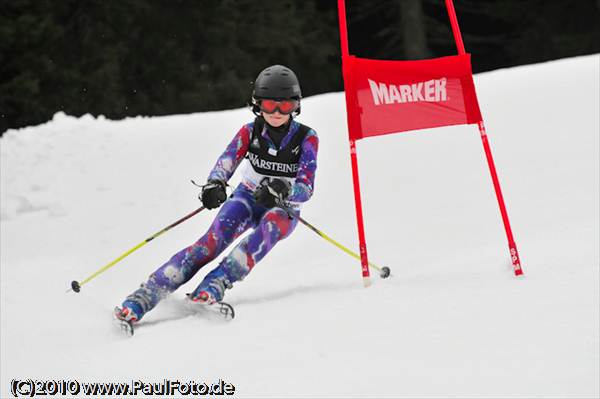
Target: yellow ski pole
[(76, 286), (384, 272)]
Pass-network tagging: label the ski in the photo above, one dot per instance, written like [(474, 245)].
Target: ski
[(125, 326), (225, 310), (216, 310), (221, 309)]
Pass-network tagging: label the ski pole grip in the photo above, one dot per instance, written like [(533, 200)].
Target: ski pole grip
[(75, 286)]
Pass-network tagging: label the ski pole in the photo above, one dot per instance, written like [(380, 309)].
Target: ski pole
[(384, 272), (76, 286)]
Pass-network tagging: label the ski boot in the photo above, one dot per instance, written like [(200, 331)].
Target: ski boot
[(203, 298), (126, 319)]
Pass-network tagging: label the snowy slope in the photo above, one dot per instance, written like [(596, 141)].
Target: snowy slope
[(452, 321)]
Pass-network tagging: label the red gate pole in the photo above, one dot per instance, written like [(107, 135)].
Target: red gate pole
[(364, 260), (512, 246)]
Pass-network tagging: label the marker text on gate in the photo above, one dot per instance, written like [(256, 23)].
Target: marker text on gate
[(433, 90)]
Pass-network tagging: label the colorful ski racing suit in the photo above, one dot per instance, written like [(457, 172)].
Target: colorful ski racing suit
[(237, 215)]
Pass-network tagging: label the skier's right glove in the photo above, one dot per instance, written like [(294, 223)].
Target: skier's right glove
[(213, 194)]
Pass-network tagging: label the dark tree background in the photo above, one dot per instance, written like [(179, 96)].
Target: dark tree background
[(124, 58)]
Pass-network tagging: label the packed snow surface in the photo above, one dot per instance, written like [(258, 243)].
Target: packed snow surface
[(451, 321)]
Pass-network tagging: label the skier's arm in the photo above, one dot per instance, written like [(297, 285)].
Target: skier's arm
[(232, 157), (303, 187)]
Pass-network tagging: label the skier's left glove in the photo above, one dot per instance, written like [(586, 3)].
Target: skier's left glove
[(272, 193)]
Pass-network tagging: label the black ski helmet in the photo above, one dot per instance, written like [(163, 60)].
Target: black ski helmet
[(275, 82)]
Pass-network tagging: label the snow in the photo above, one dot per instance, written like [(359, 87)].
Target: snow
[(452, 321)]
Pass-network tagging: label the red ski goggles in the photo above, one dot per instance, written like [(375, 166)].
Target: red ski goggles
[(285, 107)]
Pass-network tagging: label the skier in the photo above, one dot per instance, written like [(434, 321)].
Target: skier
[(282, 155)]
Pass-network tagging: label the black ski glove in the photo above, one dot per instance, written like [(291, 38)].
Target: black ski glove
[(270, 194), (213, 194)]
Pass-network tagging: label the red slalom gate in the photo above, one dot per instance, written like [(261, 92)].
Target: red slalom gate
[(385, 97)]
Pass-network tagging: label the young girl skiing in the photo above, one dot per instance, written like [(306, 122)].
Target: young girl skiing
[(279, 177)]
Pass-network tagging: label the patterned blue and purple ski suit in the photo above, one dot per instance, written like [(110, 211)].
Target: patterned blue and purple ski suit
[(237, 215)]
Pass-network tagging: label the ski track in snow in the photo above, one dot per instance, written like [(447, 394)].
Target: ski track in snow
[(452, 321)]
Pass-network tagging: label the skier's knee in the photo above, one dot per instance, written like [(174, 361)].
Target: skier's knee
[(278, 220)]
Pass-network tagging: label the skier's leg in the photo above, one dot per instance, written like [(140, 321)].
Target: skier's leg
[(273, 227), (234, 217)]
